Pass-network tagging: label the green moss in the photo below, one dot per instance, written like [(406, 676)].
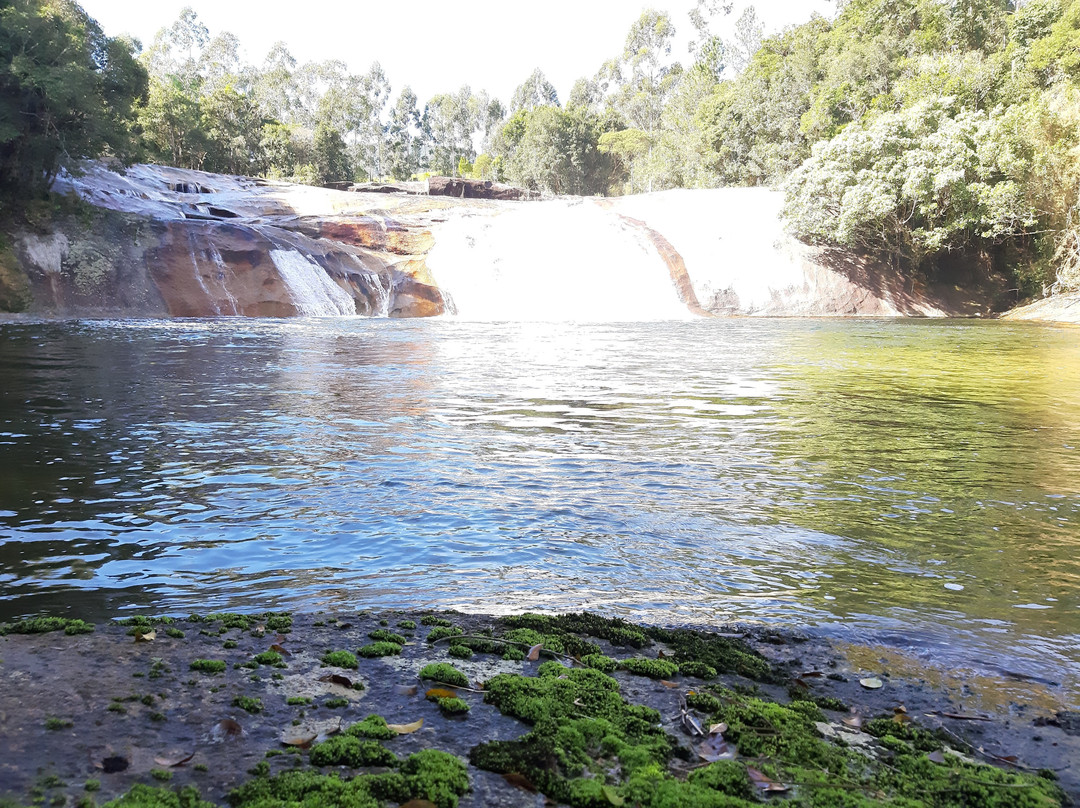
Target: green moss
[(615, 630), (161, 774), (724, 654), (432, 620), (384, 622), (653, 668), (382, 635), (599, 662), (442, 632), (697, 669), (54, 723), (159, 717), (229, 644), (379, 649), (335, 703), (272, 658), (116, 707), (175, 633), (513, 654), (452, 706), (340, 659), (374, 727), (460, 651), (248, 703), (209, 665), (435, 776), (407, 625), (348, 750), (297, 701), (44, 625), (143, 796), (92, 785), (444, 673)]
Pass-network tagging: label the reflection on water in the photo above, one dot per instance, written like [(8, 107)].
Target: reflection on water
[(914, 483)]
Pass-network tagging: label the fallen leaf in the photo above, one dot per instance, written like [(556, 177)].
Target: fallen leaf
[(405, 690), (901, 718), (717, 729), (280, 649), (960, 716), (280, 638), (520, 781), (763, 782), (579, 703), (811, 675), (936, 757), (715, 748), (661, 655), (855, 722), (613, 796), (145, 636), (114, 764), (174, 759), (336, 679), (534, 652), (671, 685), (302, 741), (419, 804), (872, 683), (226, 728), (406, 729), (900, 709), (440, 693)]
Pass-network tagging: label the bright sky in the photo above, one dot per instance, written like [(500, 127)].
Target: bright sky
[(434, 45)]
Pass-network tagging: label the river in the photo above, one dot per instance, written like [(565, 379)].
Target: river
[(915, 483)]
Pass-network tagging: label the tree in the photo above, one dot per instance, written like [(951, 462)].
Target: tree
[(67, 91), (535, 91), (748, 36), (330, 155), (171, 123), (448, 124), (403, 143)]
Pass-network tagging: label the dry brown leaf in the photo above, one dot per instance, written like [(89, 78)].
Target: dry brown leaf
[(405, 690), (302, 741), (661, 655), (716, 729), (534, 652), (855, 722), (336, 679), (226, 728), (901, 718), (440, 693), (960, 716), (174, 758), (763, 782), (280, 649), (671, 685), (406, 729), (900, 708), (145, 636), (520, 781)]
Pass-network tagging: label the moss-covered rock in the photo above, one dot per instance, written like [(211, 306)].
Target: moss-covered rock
[(382, 635), (379, 649), (373, 727), (349, 750), (653, 668), (340, 659), (44, 625), (444, 673)]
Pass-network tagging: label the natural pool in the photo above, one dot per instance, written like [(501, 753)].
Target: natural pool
[(912, 482)]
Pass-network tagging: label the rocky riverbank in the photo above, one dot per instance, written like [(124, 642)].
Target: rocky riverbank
[(154, 241), (426, 709)]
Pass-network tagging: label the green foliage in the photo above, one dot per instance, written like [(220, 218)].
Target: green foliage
[(348, 750), (445, 674), (374, 727), (653, 668), (340, 659), (379, 649)]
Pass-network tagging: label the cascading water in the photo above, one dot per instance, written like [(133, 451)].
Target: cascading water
[(312, 291), (557, 260)]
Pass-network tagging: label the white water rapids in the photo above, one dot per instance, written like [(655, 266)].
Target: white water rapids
[(553, 261)]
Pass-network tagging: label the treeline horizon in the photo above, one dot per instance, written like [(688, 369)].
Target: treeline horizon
[(909, 129)]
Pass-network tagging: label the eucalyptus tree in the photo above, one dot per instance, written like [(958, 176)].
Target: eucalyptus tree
[(535, 91), (448, 124), (402, 156)]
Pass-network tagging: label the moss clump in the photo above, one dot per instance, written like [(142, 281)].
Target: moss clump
[(407, 625), (599, 662), (697, 669), (348, 750), (582, 730), (44, 625), (92, 785), (379, 649), (54, 723), (209, 665), (513, 654), (272, 658), (298, 701), (164, 775), (373, 727), (336, 703), (653, 668), (444, 673), (428, 775), (432, 620), (613, 629), (382, 635), (460, 651), (452, 706), (143, 796), (229, 644), (248, 703), (724, 654), (442, 632), (280, 622), (340, 659), (175, 633)]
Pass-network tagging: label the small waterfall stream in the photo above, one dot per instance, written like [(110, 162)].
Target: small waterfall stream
[(557, 260), (313, 292)]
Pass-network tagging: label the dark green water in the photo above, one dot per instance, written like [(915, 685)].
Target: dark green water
[(916, 483)]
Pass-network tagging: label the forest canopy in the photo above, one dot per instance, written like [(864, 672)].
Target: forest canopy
[(908, 129)]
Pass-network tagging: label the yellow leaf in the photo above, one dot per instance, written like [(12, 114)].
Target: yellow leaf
[(406, 729)]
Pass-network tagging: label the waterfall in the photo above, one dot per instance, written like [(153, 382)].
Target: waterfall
[(312, 291), (556, 260)]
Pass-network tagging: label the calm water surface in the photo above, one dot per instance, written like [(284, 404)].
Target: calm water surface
[(911, 482)]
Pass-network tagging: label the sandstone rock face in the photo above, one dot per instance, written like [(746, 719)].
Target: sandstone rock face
[(1063, 308)]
